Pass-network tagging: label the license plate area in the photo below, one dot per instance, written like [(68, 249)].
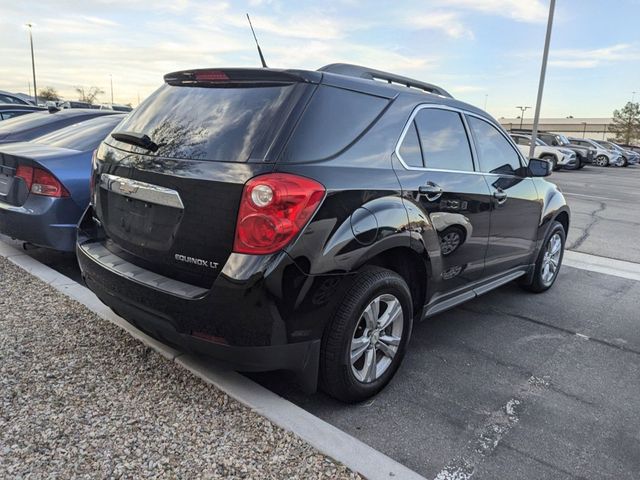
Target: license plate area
[(141, 223), (6, 182)]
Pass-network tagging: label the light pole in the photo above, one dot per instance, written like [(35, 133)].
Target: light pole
[(111, 80), (584, 129), (33, 65), (543, 72), (522, 110)]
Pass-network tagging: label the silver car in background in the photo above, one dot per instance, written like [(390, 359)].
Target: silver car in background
[(603, 156)]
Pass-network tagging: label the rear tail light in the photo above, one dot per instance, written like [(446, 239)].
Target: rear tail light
[(273, 210), (41, 182), (26, 173)]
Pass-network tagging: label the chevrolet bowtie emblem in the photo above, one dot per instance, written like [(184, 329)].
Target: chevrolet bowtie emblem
[(127, 188)]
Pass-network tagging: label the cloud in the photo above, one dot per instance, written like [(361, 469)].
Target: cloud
[(447, 22), (530, 11), (592, 58)]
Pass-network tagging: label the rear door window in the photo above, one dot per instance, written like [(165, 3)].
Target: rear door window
[(210, 123), (444, 140), (495, 153)]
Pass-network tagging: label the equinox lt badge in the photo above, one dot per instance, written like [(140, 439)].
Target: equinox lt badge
[(196, 261)]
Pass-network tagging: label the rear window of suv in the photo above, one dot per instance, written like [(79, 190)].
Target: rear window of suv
[(229, 124)]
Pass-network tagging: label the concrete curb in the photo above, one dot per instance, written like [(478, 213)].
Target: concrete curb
[(323, 436)]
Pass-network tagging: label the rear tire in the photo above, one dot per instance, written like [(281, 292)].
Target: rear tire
[(357, 331), (549, 260)]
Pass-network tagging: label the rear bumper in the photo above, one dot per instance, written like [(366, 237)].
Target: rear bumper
[(300, 356), (43, 221), (260, 314)]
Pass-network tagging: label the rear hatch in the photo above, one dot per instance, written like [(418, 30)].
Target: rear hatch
[(170, 206)]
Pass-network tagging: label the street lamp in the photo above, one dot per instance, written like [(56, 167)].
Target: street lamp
[(543, 72), (33, 65), (522, 110), (584, 129)]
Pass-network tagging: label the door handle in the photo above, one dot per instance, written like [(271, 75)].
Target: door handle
[(500, 195), (431, 190)]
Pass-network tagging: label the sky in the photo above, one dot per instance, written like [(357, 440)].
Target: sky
[(479, 50)]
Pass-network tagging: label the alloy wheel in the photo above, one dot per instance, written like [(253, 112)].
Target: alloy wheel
[(449, 242), (376, 338), (601, 161), (551, 259)]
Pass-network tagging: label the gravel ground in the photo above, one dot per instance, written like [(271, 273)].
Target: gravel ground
[(80, 398)]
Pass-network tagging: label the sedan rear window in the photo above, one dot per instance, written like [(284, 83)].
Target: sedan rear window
[(82, 136)]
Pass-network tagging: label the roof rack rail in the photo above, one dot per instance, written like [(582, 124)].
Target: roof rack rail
[(373, 74)]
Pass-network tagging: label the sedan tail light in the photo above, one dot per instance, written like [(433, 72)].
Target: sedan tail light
[(273, 210), (41, 182)]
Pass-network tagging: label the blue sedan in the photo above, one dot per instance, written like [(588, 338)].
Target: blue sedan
[(44, 183)]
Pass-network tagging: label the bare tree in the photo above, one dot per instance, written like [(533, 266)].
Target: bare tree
[(90, 95), (48, 94)]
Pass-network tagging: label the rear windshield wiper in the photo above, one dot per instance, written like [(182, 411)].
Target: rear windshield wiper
[(138, 139)]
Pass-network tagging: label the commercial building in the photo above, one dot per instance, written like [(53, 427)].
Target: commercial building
[(596, 128)]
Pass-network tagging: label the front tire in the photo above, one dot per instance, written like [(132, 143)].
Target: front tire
[(364, 344), (553, 159), (549, 260), (601, 161)]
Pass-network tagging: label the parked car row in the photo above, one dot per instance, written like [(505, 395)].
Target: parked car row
[(574, 153), (305, 226)]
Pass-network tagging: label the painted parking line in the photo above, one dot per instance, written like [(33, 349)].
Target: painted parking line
[(323, 436), (591, 196), (608, 266)]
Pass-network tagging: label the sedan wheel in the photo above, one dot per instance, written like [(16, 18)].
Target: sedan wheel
[(450, 241), (601, 161)]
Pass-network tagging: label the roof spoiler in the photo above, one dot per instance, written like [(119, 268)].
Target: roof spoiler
[(358, 71), (237, 76)]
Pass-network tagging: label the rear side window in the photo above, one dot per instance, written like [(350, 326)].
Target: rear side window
[(495, 153), (410, 150), (209, 123), (332, 121), (443, 139)]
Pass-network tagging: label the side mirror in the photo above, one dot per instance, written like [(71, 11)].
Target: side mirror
[(539, 167)]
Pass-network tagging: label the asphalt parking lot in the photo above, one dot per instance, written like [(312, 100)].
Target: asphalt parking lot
[(605, 218), (516, 385)]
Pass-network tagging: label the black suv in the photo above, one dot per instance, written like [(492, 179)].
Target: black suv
[(303, 220)]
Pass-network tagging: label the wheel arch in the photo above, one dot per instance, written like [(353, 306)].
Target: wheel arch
[(411, 266)]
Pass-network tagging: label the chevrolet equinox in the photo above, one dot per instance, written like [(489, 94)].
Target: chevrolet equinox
[(304, 220)]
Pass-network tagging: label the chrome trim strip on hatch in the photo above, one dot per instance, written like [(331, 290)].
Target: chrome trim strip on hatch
[(147, 192)]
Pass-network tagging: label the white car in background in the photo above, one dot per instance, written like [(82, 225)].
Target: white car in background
[(602, 157), (558, 156)]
